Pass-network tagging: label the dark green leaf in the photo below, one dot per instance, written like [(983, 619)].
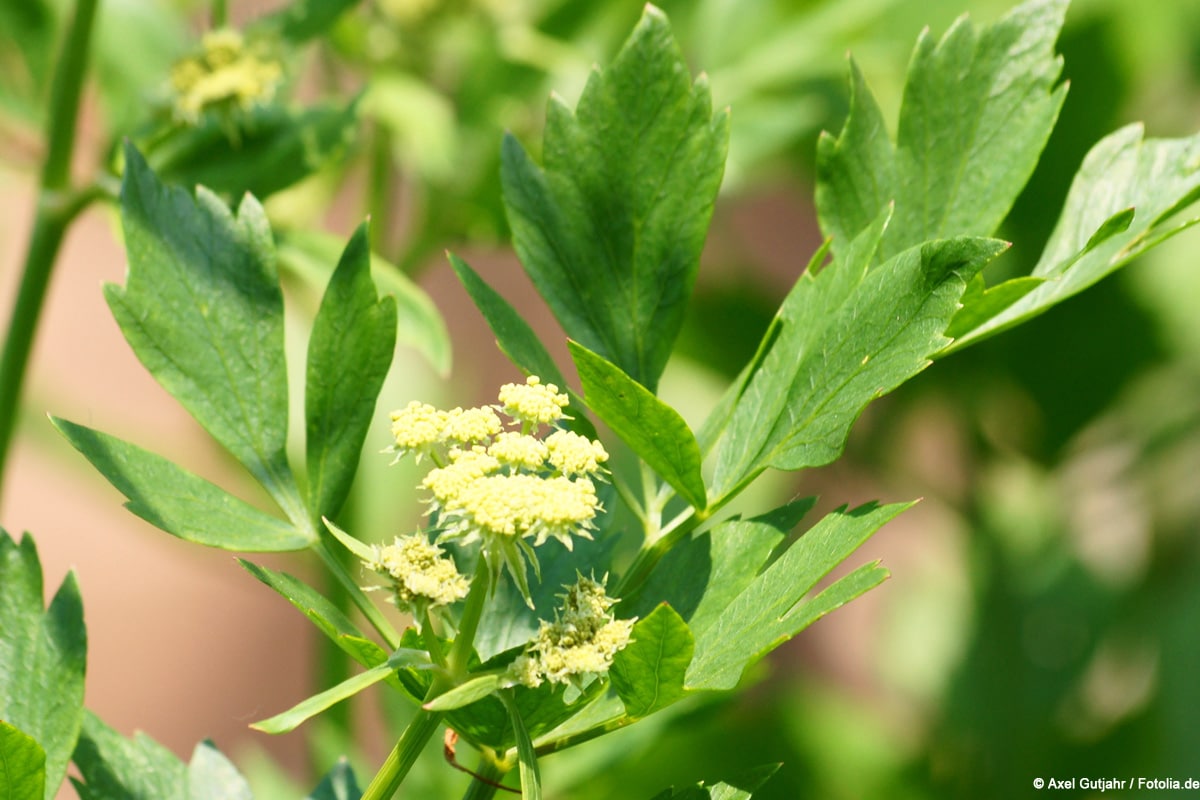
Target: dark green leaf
[(516, 339), (22, 766), (349, 353), (610, 229), (419, 325), (648, 674), (115, 768), (650, 427), (43, 654), (1123, 201), (338, 784), (774, 607), (846, 337), (202, 309), (275, 147), (179, 502), (301, 20), (701, 576), (978, 108)]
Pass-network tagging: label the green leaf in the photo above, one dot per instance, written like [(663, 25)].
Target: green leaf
[(465, 693), (43, 654), (610, 228), (977, 110), (328, 618), (211, 776), (531, 777), (115, 768), (202, 309), (1125, 199), (360, 550), (419, 325), (650, 427), (700, 576), (275, 148), (179, 502), (846, 336), (773, 608), (338, 784), (349, 352), (649, 673), (517, 340), (740, 788), (301, 20), (292, 718), (980, 304), (22, 766)]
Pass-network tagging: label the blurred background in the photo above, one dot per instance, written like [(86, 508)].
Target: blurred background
[(1043, 615)]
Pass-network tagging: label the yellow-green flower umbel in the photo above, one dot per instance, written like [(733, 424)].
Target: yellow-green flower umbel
[(421, 575), (229, 73), (579, 645), (503, 487)]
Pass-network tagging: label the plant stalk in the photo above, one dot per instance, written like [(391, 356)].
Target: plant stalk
[(385, 783), (488, 776), (56, 208)]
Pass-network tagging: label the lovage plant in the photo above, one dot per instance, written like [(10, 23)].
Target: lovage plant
[(557, 595)]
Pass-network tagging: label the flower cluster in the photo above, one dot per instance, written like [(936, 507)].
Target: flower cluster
[(228, 73), (421, 575), (502, 486), (579, 645)]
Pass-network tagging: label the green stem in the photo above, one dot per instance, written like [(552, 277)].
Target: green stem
[(356, 594), (220, 13), (430, 636), (650, 556), (56, 207), (385, 783), (464, 640), (488, 776)]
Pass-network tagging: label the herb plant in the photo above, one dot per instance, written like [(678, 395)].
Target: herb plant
[(557, 594)]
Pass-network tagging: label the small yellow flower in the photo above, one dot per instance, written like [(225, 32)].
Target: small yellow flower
[(417, 428), (533, 403), (419, 572), (572, 454), (226, 73), (519, 450), (471, 426), (448, 483)]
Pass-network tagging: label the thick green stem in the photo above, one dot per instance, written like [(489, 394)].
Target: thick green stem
[(56, 207), (385, 783), (220, 13)]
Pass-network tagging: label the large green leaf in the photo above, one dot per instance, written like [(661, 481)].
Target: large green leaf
[(349, 353), (978, 108), (22, 766), (274, 148), (610, 228), (1125, 199), (116, 768), (649, 673), (774, 607), (43, 654), (179, 502), (203, 310), (742, 787), (650, 427), (845, 336)]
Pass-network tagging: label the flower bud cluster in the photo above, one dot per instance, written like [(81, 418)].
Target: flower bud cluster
[(227, 73), (579, 645), (420, 574)]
